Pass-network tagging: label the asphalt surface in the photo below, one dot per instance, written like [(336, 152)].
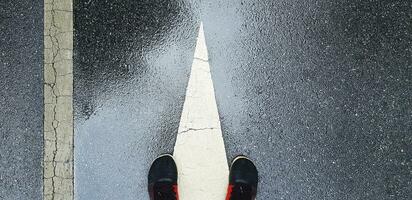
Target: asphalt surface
[(21, 99), (318, 93), (132, 62)]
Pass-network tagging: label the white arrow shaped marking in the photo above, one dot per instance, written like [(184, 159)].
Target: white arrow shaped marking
[(199, 151)]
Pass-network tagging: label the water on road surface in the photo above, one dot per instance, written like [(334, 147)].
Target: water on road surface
[(316, 92)]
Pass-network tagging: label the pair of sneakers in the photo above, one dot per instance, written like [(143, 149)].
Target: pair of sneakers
[(243, 179)]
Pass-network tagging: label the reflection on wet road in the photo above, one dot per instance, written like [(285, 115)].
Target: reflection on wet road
[(131, 66), (317, 92)]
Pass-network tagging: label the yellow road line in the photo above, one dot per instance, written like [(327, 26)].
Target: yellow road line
[(58, 92)]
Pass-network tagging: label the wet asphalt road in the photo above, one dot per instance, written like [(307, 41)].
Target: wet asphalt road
[(131, 67), (21, 99), (318, 93)]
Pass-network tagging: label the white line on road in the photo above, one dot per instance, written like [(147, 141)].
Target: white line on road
[(199, 151)]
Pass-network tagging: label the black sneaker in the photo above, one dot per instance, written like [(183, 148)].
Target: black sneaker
[(243, 180), (163, 179)]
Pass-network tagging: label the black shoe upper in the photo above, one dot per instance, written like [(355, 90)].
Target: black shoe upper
[(243, 179), (162, 179)]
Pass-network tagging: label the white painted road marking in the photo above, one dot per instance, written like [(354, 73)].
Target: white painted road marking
[(199, 151)]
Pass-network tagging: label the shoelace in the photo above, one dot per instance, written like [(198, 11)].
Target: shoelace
[(241, 192), (165, 192)]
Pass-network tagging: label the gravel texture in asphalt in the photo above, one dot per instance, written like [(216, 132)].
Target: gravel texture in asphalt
[(21, 99), (318, 93)]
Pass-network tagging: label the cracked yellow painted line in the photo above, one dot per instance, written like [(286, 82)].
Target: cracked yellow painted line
[(199, 151), (58, 107)]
